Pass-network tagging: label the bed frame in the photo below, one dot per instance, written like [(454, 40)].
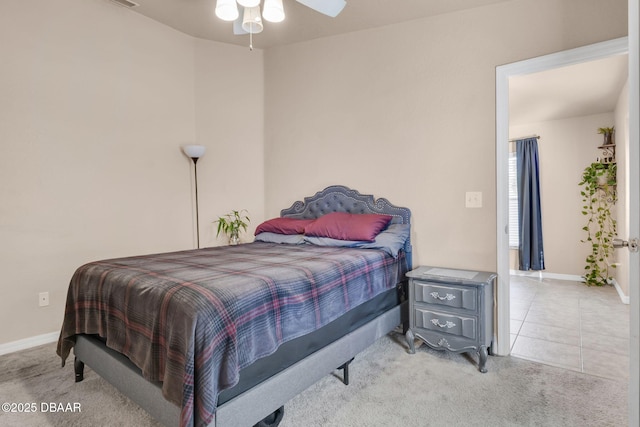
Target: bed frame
[(255, 404)]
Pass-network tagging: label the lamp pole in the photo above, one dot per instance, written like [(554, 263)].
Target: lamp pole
[(195, 175), (194, 152)]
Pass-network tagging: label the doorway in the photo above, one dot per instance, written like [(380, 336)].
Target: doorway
[(503, 74), (556, 319), (600, 50)]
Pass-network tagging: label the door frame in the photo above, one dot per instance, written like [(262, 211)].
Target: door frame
[(503, 73), (624, 45)]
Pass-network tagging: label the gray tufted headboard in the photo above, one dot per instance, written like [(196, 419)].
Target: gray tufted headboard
[(338, 198)]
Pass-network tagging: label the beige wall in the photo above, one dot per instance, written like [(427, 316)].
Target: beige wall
[(565, 148), (230, 121), (408, 112), (95, 101)]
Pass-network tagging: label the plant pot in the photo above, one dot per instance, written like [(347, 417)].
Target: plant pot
[(234, 238), (608, 138), (603, 181)]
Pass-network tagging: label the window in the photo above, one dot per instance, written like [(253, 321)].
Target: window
[(514, 229)]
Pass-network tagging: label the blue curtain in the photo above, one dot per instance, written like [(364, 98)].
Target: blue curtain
[(531, 252)]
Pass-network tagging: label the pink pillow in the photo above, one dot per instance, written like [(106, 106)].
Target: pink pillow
[(346, 226), (283, 226)]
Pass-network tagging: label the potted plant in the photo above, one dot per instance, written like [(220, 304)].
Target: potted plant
[(599, 196), (608, 134), (231, 223)]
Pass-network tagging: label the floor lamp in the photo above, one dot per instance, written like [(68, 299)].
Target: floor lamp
[(195, 152)]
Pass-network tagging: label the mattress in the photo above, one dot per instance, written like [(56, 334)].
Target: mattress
[(196, 320)]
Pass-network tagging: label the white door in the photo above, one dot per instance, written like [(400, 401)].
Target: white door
[(634, 207)]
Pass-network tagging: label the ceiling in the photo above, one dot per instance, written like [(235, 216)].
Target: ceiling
[(583, 89), (197, 18), (578, 90)]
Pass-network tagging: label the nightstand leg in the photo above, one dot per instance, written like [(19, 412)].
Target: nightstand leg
[(483, 353), (411, 341)]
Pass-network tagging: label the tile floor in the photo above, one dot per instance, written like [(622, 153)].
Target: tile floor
[(570, 325)]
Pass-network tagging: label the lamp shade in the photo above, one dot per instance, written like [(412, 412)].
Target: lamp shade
[(249, 3), (194, 151), (273, 11), (251, 20), (227, 10)]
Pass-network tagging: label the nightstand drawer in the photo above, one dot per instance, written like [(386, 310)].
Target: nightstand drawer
[(433, 293), (446, 323)]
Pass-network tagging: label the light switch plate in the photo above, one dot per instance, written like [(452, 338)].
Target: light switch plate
[(473, 199)]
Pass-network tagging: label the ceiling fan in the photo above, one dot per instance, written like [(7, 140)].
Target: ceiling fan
[(247, 18)]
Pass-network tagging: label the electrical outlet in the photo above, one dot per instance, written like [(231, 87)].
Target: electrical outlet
[(473, 199), (43, 299)]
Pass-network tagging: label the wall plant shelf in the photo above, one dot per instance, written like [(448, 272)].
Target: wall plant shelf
[(608, 153)]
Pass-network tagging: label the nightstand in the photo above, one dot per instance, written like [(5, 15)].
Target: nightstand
[(451, 310)]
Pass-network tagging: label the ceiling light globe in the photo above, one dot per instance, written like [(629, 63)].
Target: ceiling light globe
[(249, 3), (273, 11), (251, 20), (227, 10)]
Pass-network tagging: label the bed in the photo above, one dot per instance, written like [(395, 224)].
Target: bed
[(225, 336)]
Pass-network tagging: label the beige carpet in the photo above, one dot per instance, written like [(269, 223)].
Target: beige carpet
[(388, 387)]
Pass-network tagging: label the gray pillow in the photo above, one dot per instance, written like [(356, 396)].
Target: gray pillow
[(268, 237), (390, 240)]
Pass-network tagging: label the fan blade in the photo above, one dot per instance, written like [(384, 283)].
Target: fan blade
[(327, 7), (237, 24)]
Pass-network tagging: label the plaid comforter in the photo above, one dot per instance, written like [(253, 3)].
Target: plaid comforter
[(193, 319)]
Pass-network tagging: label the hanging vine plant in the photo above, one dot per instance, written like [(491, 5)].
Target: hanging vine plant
[(599, 197)]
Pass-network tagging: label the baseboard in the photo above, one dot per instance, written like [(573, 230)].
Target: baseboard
[(624, 298), (545, 275), (26, 343)]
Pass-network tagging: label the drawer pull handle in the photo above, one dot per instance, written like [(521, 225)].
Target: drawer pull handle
[(447, 297), (448, 324)]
